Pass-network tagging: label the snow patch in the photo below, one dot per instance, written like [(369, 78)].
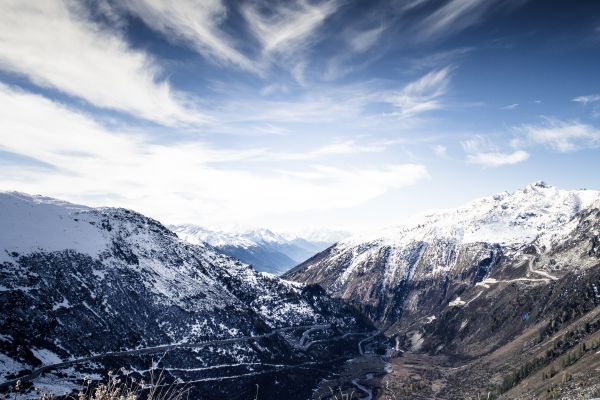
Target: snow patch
[(46, 356), (457, 302)]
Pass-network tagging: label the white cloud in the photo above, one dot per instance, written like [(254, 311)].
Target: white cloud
[(452, 17), (510, 106), (497, 159), (559, 135), (340, 148), (480, 150), (287, 27), (440, 150), (316, 106), (364, 40), (55, 45), (410, 4), (286, 31), (423, 94), (435, 60), (585, 100), (175, 182), (194, 23)]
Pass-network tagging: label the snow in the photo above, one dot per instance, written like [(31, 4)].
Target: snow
[(9, 366), (245, 239), (416, 341), (487, 282), (63, 304), (46, 356), (457, 302), (504, 218), (253, 237), (55, 385), (33, 223)]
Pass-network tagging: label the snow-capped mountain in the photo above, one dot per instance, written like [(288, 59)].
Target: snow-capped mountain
[(504, 218), (85, 289), (498, 298), (375, 269), (264, 249)]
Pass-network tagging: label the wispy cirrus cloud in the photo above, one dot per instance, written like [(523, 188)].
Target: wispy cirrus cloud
[(452, 17), (286, 30), (589, 99), (563, 136), (286, 27), (423, 94), (336, 148), (497, 159), (361, 41), (482, 151), (438, 59), (592, 102), (56, 45), (198, 25)]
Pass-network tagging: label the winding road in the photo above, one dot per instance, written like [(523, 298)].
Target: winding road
[(163, 348), (367, 391)]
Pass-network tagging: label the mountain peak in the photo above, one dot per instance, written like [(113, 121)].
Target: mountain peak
[(540, 184), (505, 218)]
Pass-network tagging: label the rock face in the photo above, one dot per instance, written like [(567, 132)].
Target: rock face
[(393, 272), (97, 288), (265, 250)]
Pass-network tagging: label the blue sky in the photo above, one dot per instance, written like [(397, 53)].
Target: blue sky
[(296, 115)]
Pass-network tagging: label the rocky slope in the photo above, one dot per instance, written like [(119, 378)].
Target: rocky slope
[(83, 290), (265, 250), (378, 271), (500, 296)]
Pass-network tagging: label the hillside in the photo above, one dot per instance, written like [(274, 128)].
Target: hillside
[(85, 290)]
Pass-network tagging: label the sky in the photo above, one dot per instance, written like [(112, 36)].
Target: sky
[(296, 115)]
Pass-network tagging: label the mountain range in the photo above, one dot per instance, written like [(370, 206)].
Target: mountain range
[(265, 250), (499, 298)]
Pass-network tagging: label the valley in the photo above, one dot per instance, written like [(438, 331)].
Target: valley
[(433, 310), (471, 317)]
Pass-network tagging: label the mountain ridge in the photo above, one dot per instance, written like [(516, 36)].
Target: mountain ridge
[(473, 318), (84, 290), (264, 249)]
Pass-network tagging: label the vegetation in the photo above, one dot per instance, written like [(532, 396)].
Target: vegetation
[(341, 395), (576, 307), (561, 346), (116, 388), (521, 373)]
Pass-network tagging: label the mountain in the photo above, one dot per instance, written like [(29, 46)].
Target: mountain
[(499, 297), (84, 290), (265, 250)]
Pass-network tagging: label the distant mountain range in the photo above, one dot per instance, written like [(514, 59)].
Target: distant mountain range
[(264, 249)]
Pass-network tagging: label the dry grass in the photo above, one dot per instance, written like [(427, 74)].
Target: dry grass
[(118, 388), (341, 395)]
